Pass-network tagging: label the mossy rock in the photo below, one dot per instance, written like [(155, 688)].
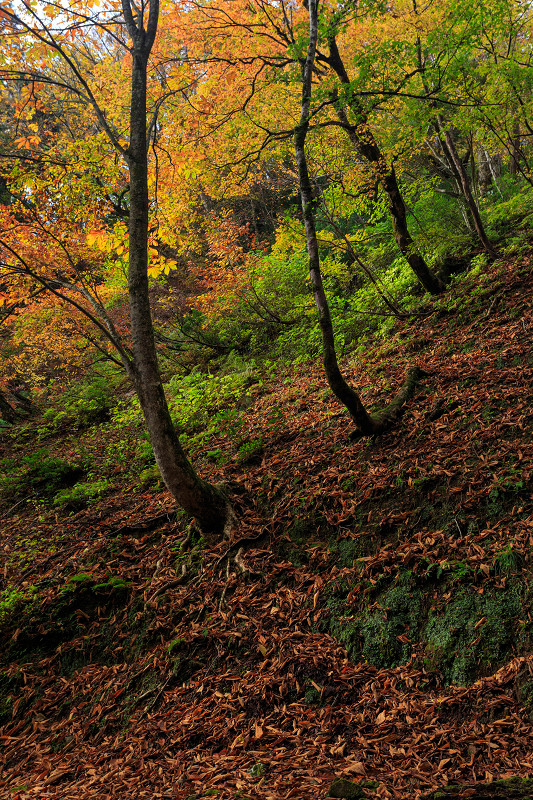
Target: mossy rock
[(348, 790), (498, 790), (463, 636), (462, 649), (373, 636)]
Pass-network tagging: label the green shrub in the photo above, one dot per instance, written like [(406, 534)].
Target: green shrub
[(12, 601), (81, 495), (196, 403), (38, 474), (82, 405), (504, 214)]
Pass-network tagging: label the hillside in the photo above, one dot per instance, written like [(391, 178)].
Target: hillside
[(369, 618)]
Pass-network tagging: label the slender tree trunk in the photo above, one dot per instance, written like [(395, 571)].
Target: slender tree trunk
[(208, 505), (461, 174), (363, 140), (365, 424), (516, 153)]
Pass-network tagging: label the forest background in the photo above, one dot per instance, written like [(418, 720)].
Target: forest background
[(200, 202)]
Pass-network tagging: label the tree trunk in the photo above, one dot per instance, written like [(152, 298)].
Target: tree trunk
[(516, 153), (461, 174), (363, 140), (365, 424), (208, 505)]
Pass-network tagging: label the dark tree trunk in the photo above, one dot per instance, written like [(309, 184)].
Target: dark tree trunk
[(463, 181), (208, 505), (365, 424), (516, 153), (363, 140)]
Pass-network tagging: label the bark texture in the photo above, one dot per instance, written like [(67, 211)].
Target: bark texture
[(207, 504)]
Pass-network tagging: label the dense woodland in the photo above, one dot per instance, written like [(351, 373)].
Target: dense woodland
[(265, 399)]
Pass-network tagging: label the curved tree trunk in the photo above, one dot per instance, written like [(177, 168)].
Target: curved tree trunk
[(363, 140), (366, 425), (208, 505)]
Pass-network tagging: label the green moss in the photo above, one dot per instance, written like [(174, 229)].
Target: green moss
[(464, 634), (497, 790), (373, 636), (462, 648)]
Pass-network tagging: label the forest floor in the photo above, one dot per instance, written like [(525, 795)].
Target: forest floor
[(369, 619)]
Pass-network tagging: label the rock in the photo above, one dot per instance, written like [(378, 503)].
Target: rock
[(346, 789)]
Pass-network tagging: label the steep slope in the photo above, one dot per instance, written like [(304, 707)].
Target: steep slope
[(370, 618)]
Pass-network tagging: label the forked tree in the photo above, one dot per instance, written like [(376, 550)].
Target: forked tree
[(366, 424)]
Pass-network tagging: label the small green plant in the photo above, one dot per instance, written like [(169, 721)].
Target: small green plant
[(478, 264), (175, 645), (455, 571), (508, 561), (228, 422), (274, 419), (258, 770), (312, 696), (216, 456), (151, 478), (250, 451)]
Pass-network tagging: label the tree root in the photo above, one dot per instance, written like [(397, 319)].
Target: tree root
[(386, 418)]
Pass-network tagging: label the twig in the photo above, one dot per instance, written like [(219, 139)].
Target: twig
[(487, 312), (223, 595), (8, 512), (156, 698), (170, 585)]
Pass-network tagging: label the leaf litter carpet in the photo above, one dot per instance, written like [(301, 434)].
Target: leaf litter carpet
[(240, 694)]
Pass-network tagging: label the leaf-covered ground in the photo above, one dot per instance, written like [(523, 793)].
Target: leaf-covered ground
[(369, 619)]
